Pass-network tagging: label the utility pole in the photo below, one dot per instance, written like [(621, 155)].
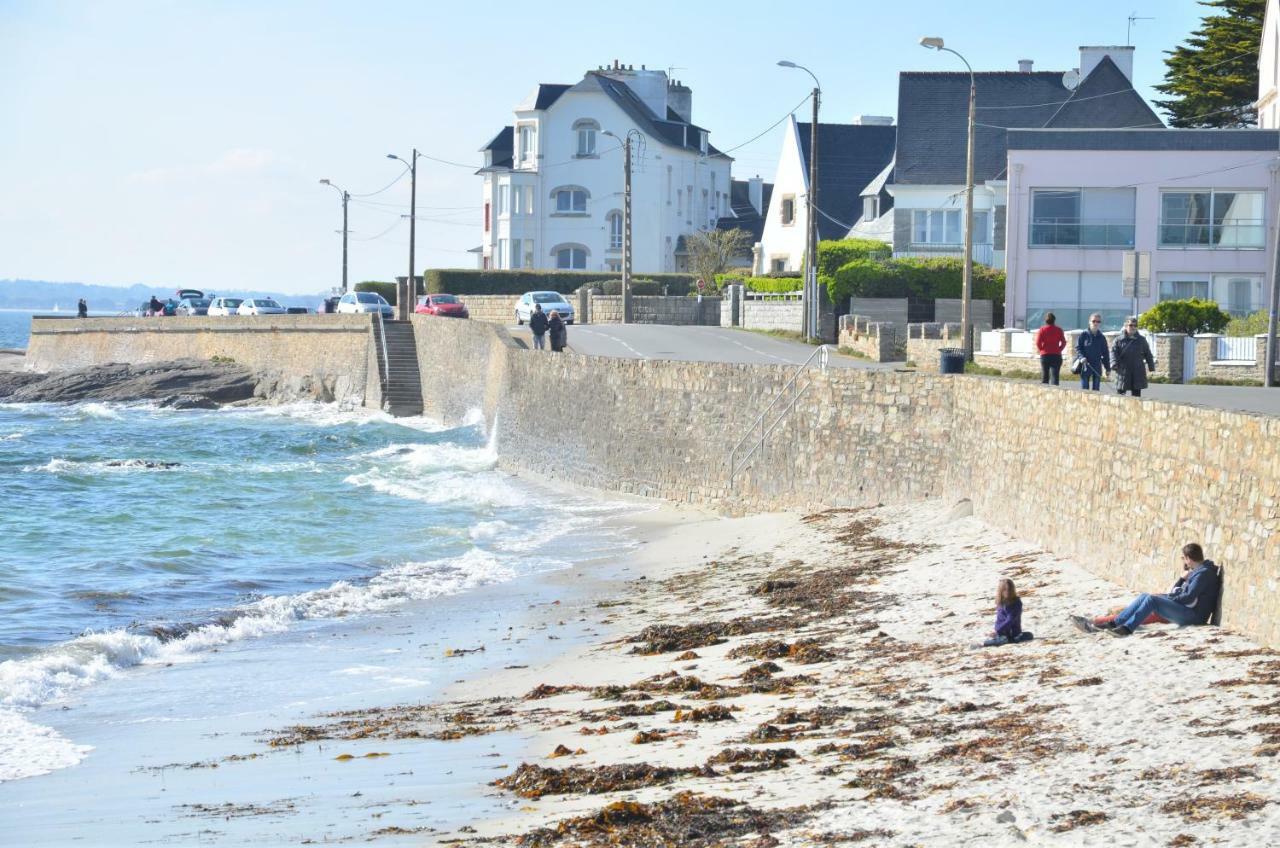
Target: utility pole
[(404, 299), (626, 231), (966, 293), (811, 329), (345, 197)]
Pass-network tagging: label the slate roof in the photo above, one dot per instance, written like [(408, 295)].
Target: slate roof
[(745, 216), (548, 93), (1155, 140), (849, 157), (675, 133), (502, 146), (933, 117)]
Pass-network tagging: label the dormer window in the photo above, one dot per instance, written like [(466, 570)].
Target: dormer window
[(870, 210), (703, 142), (527, 150), (586, 130)]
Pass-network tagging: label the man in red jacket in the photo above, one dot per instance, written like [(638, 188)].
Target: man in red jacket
[(1050, 342)]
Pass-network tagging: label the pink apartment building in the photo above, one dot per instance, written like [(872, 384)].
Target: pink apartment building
[(1201, 203)]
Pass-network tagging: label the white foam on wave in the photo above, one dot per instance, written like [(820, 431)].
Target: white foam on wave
[(28, 749), (441, 474), (57, 465), (93, 409), (335, 415), (13, 437)]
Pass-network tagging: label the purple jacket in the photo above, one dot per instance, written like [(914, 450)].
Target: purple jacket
[(1009, 620)]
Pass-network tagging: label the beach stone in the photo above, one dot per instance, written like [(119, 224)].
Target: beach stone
[(189, 402), (1007, 817)]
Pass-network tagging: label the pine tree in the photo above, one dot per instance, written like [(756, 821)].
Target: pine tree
[(1212, 80)]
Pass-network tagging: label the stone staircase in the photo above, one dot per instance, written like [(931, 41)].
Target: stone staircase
[(401, 379)]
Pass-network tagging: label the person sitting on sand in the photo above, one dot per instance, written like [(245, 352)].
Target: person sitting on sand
[(1192, 603), (1008, 616), (1106, 622)]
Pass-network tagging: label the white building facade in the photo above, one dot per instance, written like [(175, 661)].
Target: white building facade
[(1199, 202), (1269, 69), (553, 180)]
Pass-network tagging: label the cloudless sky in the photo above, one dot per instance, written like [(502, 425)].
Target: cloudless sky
[(176, 142)]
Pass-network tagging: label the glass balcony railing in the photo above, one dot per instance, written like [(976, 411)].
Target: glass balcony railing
[(1239, 234), (1082, 232)]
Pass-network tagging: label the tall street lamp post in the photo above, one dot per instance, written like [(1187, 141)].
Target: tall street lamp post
[(404, 299), (810, 294), (966, 324), (345, 198)]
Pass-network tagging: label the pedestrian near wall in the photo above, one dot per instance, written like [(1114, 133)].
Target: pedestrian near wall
[(1050, 342), (538, 326), (82, 309), (555, 328), (1129, 355), (1093, 355)]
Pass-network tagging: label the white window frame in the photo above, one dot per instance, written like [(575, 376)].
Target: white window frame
[(1213, 193), (526, 144), (574, 251), (587, 132), (614, 223), (787, 210), (574, 193), (930, 237)]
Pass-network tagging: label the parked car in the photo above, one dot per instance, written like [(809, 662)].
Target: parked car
[(183, 294), (225, 305), (444, 305), (551, 302), (193, 306), (260, 306), (356, 302), (297, 310)]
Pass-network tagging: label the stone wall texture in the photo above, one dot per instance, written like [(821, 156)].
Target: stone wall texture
[(331, 349), (1119, 486), (656, 309), (495, 308)]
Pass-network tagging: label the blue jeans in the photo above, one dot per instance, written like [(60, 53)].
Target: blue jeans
[(539, 341), (1089, 379), (1143, 605)]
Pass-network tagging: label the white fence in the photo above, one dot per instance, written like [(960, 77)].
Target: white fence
[(989, 342), (1237, 349), (1024, 343)]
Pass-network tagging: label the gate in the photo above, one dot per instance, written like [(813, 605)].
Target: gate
[(1188, 358)]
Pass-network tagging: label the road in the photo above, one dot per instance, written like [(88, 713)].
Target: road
[(693, 344)]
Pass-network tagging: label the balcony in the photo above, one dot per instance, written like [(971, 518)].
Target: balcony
[(1240, 234), (982, 253), (1095, 233)]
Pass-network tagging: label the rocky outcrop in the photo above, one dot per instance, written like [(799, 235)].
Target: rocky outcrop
[(185, 383)]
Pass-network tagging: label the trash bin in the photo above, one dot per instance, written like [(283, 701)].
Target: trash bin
[(951, 360)]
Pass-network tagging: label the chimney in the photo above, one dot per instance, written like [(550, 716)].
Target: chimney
[(755, 191), (680, 99), (1025, 65), (647, 84), (1122, 55), (872, 121)]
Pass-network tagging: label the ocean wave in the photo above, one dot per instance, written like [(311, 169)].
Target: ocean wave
[(57, 465), (13, 437), (28, 749), (92, 409)]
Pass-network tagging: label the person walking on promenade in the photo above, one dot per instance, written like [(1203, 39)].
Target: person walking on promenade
[(155, 307), (1091, 348), (1050, 342), (1193, 603), (538, 325), (555, 327), (1008, 627), (82, 309), (1128, 356)]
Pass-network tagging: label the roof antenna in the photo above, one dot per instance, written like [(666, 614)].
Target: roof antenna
[(1128, 33)]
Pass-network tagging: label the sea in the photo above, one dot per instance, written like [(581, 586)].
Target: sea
[(162, 567)]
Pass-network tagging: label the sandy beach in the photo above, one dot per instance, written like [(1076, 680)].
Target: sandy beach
[(809, 680)]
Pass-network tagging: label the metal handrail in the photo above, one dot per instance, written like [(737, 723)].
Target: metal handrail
[(385, 376), (823, 355)]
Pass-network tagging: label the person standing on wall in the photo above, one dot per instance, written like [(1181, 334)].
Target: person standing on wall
[(538, 325), (82, 309), (1091, 349), (1050, 342), (555, 326), (1130, 353)]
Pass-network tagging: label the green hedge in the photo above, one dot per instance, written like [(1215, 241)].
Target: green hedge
[(471, 281), (1254, 324), (912, 277), (775, 285), (638, 287), (387, 290), (833, 255), (1184, 316)]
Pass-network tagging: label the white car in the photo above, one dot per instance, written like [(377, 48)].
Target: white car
[(356, 302), (260, 306), (551, 302), (225, 305)]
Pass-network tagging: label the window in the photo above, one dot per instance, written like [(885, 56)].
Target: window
[(570, 201), (1083, 217), (502, 258), (778, 263), (502, 200), (586, 130), (1231, 220), (514, 260), (679, 201), (517, 200), (1073, 295), (668, 185), (869, 210), (703, 141), (935, 226), (615, 230), (614, 265), (981, 226), (486, 217), (1182, 289), (788, 210), (528, 145), (1235, 294), (571, 258), (528, 254)]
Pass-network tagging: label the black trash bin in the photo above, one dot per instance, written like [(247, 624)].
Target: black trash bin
[(951, 360)]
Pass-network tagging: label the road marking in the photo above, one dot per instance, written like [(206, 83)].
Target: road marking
[(760, 352), (637, 353)]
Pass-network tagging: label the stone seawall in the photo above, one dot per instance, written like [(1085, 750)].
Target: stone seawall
[(329, 349), (1119, 485)]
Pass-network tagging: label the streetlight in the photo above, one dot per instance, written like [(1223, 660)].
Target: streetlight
[(402, 300), (345, 198), (810, 295), (626, 218), (966, 329)]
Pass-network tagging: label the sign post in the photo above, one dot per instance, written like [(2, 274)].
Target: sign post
[(1135, 276)]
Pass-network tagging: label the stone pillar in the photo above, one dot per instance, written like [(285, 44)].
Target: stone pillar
[(584, 304), (1169, 353), (1206, 352)]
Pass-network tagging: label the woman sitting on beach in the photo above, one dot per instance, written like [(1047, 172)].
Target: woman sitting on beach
[(1008, 616)]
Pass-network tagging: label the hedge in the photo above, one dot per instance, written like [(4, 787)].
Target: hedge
[(1253, 324), (835, 254), (1184, 316), (913, 277), (774, 285), (387, 290), (473, 281), (638, 287)]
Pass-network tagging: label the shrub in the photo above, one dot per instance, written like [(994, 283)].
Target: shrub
[(387, 290), (833, 255), (1249, 325), (638, 287), (776, 285), (1184, 316), (914, 277), (463, 281)]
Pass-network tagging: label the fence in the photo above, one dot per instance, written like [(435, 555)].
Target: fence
[(1237, 349)]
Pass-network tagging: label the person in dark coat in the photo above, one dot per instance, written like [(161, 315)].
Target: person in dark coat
[(1091, 346), (155, 307), (555, 327), (1128, 356), (82, 309), (1050, 342), (538, 325), (1193, 603)]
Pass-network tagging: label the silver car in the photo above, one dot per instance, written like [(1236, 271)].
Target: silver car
[(357, 302), (551, 302), (225, 305), (260, 306)]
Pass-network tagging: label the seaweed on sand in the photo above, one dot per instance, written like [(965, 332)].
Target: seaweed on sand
[(664, 638), (744, 760), (1216, 806), (1062, 822), (534, 781), (804, 652)]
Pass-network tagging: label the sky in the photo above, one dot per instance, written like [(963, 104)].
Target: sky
[(171, 142)]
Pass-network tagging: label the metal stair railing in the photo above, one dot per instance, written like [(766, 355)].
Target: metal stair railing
[(736, 464), (385, 376)]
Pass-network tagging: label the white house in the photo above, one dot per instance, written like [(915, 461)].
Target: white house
[(1198, 201), (1269, 68), (849, 158), (553, 180), (928, 178)]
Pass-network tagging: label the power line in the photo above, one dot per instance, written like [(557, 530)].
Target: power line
[(385, 187), (771, 126)]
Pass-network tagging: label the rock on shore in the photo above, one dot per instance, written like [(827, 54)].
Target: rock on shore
[(185, 383)]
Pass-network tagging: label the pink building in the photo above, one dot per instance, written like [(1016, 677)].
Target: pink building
[(1195, 200)]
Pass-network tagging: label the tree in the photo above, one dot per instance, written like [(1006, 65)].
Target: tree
[(712, 251), (1184, 316), (1212, 80)]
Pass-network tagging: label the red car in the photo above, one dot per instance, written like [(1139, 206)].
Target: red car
[(444, 305)]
